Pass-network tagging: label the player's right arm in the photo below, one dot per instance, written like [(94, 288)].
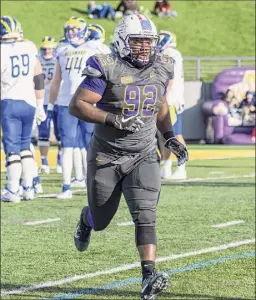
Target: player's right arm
[(39, 91)]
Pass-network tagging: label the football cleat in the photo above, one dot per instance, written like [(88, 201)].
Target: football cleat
[(44, 170), (66, 192), (8, 196), (82, 235), (38, 188), (153, 286), (59, 169), (76, 183), (28, 193), (179, 174)]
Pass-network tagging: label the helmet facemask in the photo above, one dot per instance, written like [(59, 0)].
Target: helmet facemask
[(47, 53), (74, 34), (140, 50)]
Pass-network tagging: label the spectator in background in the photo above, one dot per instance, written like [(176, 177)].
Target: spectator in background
[(127, 7), (163, 8), (248, 107), (96, 11)]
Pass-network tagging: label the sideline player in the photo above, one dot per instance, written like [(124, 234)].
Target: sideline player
[(129, 92), (48, 61), (175, 97), (71, 57), (22, 92)]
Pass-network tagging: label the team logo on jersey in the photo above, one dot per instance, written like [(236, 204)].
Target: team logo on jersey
[(127, 80)]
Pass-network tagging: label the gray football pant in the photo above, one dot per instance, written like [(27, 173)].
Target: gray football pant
[(141, 189)]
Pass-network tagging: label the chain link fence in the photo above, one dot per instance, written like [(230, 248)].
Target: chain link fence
[(206, 68)]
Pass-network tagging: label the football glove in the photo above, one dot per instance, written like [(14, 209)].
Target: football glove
[(132, 124), (178, 149), (40, 114)]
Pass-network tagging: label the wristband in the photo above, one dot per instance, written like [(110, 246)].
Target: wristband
[(50, 106), (168, 135), (110, 120)]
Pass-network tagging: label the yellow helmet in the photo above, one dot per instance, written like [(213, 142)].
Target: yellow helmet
[(9, 28), (48, 42), (96, 32), (167, 38), (81, 29)]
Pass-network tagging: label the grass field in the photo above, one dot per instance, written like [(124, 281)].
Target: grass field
[(204, 262), (203, 28)]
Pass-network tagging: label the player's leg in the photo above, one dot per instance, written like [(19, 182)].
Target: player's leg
[(180, 172), (27, 159), (166, 170), (79, 179), (141, 189), (44, 143), (57, 136), (11, 131), (36, 178), (68, 126), (104, 193), (87, 131)]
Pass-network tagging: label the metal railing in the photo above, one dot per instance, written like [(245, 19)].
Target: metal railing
[(206, 68)]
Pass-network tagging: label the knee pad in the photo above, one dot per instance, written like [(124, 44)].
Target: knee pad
[(26, 154), (12, 158), (43, 142), (145, 235), (146, 217)]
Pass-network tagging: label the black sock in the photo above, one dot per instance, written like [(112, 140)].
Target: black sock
[(147, 268)]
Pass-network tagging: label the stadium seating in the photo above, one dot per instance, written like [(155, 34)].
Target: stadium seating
[(239, 79)]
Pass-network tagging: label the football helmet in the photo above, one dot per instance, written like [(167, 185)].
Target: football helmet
[(96, 32), (75, 29), (9, 28), (166, 39), (47, 47), (135, 40)]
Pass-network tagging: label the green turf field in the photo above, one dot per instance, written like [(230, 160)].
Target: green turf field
[(204, 262), (203, 28)]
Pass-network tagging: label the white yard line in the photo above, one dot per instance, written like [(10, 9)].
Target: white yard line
[(124, 268), (215, 173), (126, 223), (210, 178), (42, 221), (222, 225)]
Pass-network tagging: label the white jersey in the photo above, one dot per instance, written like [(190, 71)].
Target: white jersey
[(72, 61), (48, 66), (175, 95), (98, 46), (18, 61)]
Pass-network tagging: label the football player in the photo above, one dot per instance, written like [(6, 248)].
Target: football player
[(48, 61), (22, 92), (71, 58), (128, 89), (175, 97), (96, 38)]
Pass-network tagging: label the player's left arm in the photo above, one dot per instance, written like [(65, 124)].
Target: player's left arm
[(164, 125)]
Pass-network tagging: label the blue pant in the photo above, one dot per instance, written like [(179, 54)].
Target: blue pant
[(44, 128), (86, 131), (17, 120)]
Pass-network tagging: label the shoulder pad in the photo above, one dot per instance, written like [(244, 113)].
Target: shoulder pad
[(165, 59), (92, 72)]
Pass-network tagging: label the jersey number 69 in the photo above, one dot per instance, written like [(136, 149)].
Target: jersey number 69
[(20, 65)]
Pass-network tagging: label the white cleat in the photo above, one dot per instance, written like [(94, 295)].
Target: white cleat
[(20, 191), (179, 174), (44, 170), (8, 196), (4, 191), (166, 174), (59, 169), (28, 193), (38, 188), (76, 183), (65, 195)]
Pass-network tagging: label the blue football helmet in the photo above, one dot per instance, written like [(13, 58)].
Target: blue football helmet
[(75, 29), (10, 28), (166, 39), (96, 32)]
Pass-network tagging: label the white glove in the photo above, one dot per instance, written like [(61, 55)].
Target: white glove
[(40, 114)]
